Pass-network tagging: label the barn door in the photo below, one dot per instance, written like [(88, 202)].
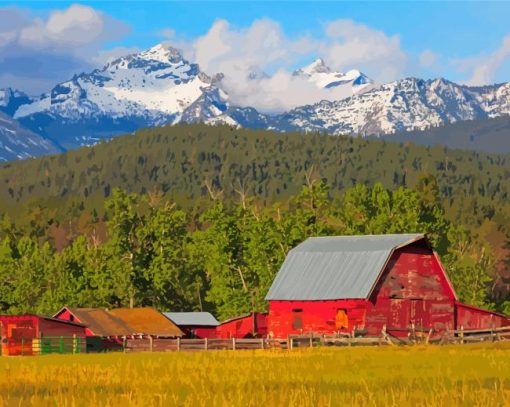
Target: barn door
[(342, 319), (418, 313), (297, 319)]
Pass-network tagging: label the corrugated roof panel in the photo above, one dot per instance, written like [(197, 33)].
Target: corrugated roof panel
[(192, 318), (326, 268)]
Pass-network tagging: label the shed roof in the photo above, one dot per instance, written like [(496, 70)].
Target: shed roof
[(147, 321), (101, 322), (327, 268), (192, 318)]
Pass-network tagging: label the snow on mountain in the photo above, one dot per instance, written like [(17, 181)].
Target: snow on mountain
[(150, 88), (159, 86), (12, 99), (320, 74), (17, 142), (407, 104)]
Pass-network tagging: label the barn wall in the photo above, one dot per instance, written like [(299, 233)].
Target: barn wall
[(243, 327), (413, 289), (469, 317), (198, 331), (55, 328), (299, 317)]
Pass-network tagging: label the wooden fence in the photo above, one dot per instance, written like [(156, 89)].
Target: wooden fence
[(387, 337)]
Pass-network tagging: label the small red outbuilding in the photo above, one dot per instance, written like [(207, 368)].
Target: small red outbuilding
[(197, 325), (252, 325), (18, 332)]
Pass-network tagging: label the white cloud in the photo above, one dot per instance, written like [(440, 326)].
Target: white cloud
[(484, 68), (428, 59), (350, 44), (40, 52), (263, 47), (167, 33)]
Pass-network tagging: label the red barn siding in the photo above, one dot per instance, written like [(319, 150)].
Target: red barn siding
[(198, 331), (413, 289), (246, 326), (469, 317), (14, 328)]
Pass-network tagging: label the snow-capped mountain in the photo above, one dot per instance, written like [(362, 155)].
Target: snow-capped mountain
[(17, 142), (320, 74), (12, 99), (151, 88), (404, 105), (159, 86)]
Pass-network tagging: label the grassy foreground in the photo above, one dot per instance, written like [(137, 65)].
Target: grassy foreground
[(468, 375)]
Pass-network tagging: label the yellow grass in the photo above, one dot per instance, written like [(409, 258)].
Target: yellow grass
[(469, 375)]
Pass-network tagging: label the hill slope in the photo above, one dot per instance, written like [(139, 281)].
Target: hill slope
[(185, 161), (490, 135), (16, 142)]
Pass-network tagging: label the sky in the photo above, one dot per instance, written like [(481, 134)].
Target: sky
[(43, 43)]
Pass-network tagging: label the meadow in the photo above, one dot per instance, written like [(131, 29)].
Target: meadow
[(468, 375)]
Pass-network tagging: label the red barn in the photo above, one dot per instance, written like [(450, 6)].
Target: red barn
[(18, 332), (194, 324), (363, 283), (252, 325)]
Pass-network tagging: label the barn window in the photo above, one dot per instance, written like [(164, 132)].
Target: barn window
[(342, 319), (71, 317), (297, 320)]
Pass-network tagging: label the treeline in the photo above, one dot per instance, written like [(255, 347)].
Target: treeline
[(189, 162), (222, 255)]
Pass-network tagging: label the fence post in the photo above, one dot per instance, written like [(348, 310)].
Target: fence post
[(233, 343), (151, 344), (290, 344), (462, 334), (311, 339), (205, 344), (178, 344), (22, 346)]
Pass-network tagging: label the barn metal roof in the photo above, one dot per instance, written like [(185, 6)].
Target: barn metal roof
[(327, 268), (192, 318)]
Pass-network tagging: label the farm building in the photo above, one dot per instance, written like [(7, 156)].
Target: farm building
[(106, 329), (30, 334), (338, 284), (147, 322), (252, 325), (194, 324)]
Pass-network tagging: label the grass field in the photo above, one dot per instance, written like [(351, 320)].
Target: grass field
[(467, 375)]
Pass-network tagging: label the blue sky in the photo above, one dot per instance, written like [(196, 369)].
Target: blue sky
[(462, 41)]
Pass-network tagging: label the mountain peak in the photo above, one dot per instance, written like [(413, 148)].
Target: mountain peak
[(317, 66), (162, 53)]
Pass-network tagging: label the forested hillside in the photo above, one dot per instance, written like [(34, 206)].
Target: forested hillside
[(196, 217), (190, 162)]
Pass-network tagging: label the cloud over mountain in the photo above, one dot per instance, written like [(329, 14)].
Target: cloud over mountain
[(36, 52)]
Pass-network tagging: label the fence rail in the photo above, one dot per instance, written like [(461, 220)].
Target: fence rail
[(67, 345)]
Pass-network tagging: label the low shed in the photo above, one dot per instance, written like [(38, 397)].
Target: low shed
[(252, 325), (194, 324), (22, 334)]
